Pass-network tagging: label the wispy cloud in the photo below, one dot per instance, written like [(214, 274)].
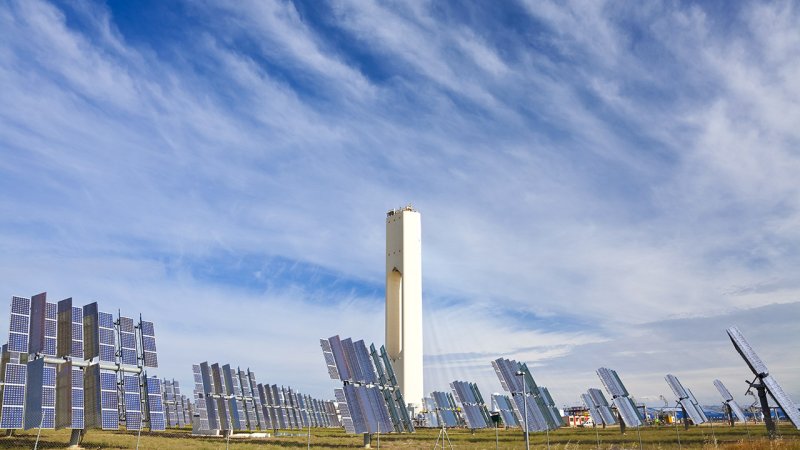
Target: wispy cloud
[(583, 171)]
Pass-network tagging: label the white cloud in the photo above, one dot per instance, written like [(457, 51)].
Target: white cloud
[(279, 31), (595, 176)]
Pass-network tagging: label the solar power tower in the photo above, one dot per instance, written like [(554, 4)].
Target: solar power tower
[(732, 409), (52, 364), (687, 401), (472, 404), (626, 409), (370, 400), (404, 300), (529, 400), (764, 382), (599, 409)]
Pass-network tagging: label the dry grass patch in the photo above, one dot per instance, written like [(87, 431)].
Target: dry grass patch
[(663, 438)]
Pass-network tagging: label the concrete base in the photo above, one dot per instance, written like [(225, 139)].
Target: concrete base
[(285, 433), (197, 432), (75, 438), (250, 435)]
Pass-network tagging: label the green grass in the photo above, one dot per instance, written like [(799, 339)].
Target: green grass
[(752, 437)]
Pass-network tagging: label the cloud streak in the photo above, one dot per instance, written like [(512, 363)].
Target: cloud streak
[(584, 172)]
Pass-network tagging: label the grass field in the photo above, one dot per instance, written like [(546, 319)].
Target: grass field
[(752, 437)]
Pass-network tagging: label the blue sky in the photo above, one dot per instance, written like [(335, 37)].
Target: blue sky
[(600, 183)]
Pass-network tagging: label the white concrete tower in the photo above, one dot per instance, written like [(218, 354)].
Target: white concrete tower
[(404, 300)]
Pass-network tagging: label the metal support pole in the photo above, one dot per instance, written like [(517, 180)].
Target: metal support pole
[(443, 436), (39, 434), (685, 419), (496, 437), (713, 434), (525, 408), (75, 438), (747, 429), (676, 427), (525, 404), (762, 397), (639, 433), (597, 434), (547, 432)]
